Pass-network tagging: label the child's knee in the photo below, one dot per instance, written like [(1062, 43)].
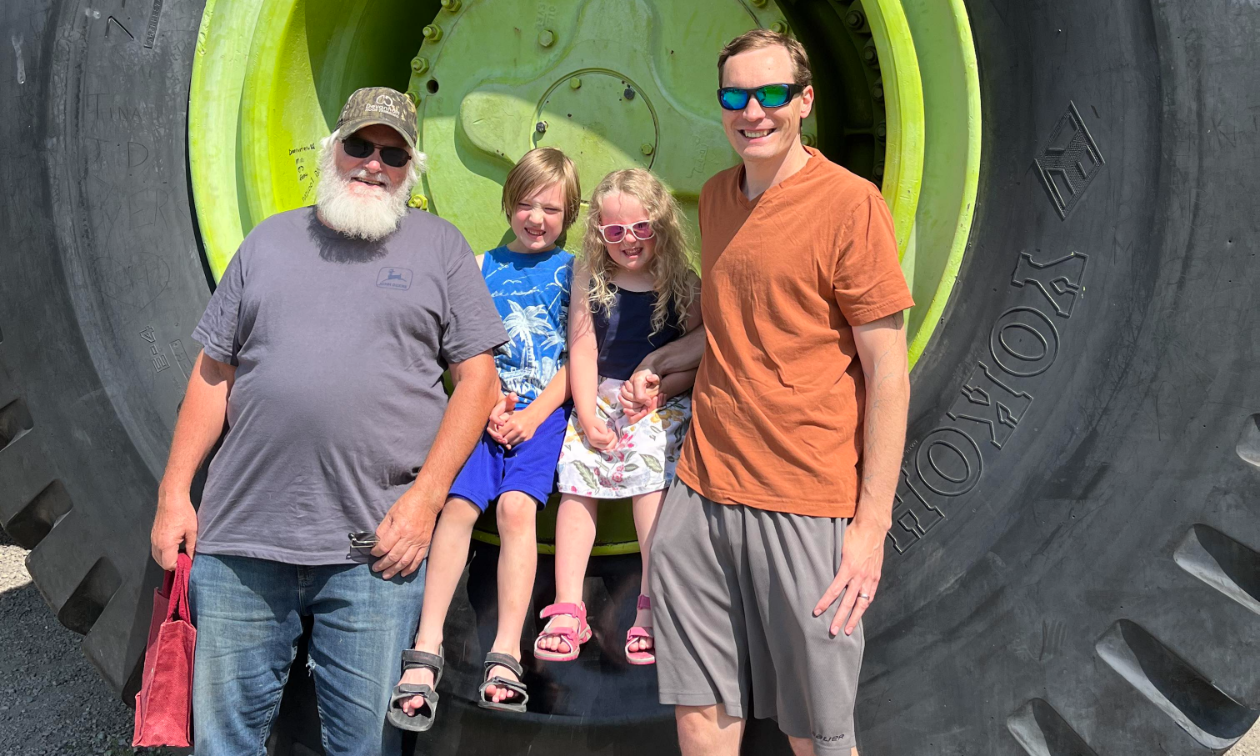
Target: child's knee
[(515, 513), (460, 511)]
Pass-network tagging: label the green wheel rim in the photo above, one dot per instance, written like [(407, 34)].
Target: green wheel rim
[(898, 103), (951, 162)]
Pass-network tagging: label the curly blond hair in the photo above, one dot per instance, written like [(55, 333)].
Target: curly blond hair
[(672, 276)]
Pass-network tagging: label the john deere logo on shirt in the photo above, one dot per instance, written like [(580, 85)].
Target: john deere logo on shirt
[(394, 278)]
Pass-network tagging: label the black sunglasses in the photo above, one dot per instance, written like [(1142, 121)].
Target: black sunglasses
[(768, 96), (363, 540), (359, 148)]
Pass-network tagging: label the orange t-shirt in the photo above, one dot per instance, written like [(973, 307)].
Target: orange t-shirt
[(778, 402)]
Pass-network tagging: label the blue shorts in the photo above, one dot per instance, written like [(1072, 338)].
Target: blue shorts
[(529, 467)]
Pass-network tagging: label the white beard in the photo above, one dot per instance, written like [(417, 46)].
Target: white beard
[(370, 216)]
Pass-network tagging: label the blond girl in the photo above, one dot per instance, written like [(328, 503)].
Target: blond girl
[(633, 292)]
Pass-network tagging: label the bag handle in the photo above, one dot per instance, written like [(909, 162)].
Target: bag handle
[(168, 583), (177, 587)]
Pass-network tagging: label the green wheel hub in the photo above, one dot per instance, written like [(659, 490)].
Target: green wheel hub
[(614, 83)]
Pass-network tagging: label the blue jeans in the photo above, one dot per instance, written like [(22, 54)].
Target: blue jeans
[(248, 614)]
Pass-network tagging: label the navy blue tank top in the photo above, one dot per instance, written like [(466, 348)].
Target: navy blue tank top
[(625, 335)]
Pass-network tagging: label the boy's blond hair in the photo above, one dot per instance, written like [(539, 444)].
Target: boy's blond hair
[(538, 168), (672, 276)]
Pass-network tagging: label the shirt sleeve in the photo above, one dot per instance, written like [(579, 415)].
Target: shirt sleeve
[(218, 330), (471, 324), (868, 282)]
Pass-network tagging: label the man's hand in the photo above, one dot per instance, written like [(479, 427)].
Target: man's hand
[(403, 536), (861, 563), (640, 396), (598, 435), (174, 525)]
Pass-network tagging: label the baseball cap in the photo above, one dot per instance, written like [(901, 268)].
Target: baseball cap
[(373, 105)]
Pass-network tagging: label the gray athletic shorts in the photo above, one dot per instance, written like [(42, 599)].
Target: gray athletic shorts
[(733, 595)]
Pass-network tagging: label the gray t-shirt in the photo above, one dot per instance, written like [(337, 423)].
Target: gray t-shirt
[(340, 347)]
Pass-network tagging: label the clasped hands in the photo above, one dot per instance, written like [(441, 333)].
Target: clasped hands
[(639, 396), (509, 426)]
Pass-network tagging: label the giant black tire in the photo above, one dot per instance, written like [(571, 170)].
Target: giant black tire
[(1072, 569)]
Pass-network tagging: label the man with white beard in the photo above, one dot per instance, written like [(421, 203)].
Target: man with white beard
[(324, 348)]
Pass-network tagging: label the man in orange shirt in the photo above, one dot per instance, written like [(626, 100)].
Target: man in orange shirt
[(799, 420)]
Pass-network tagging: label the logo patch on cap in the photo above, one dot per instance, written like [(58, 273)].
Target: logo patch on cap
[(384, 104)]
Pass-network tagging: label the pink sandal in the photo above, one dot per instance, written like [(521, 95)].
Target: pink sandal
[(573, 636), (640, 658)]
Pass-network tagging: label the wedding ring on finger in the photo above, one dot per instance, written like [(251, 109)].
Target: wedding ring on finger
[(866, 596)]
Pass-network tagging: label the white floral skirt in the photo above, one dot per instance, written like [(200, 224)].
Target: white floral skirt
[(644, 458)]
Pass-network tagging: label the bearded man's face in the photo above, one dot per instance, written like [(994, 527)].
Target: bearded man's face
[(364, 197)]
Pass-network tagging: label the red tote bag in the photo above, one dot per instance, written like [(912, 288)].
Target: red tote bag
[(164, 703)]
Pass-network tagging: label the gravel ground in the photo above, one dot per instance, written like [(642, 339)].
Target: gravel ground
[(52, 701)]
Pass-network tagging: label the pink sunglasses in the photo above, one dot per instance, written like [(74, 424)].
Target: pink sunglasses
[(616, 232)]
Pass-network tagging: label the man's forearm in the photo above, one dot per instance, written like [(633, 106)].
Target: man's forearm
[(476, 391), (200, 422), (884, 441), (674, 384), (677, 356)]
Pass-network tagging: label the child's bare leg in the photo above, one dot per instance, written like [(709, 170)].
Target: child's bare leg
[(515, 516), (646, 509), (575, 535), (448, 553)]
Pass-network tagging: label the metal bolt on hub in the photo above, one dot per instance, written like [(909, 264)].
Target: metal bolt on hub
[(870, 54), (647, 149), (419, 64), (779, 27), (855, 19), (546, 38), (541, 127), (432, 32), (575, 83), (451, 5)]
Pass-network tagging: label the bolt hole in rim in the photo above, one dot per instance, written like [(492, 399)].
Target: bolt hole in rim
[(898, 102)]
